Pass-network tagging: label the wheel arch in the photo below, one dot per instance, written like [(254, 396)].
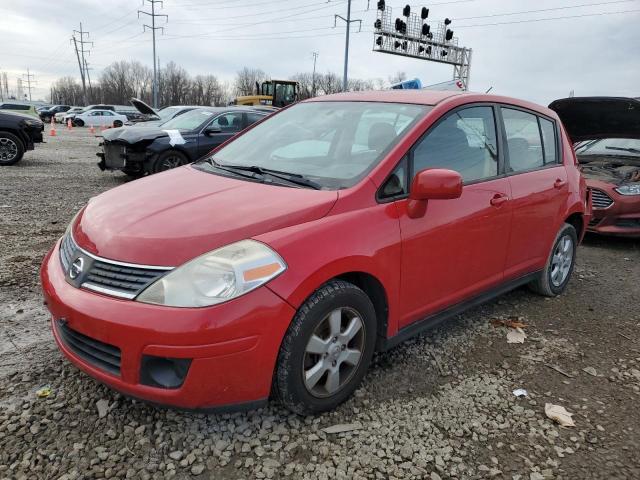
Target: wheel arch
[(576, 220), (17, 133)]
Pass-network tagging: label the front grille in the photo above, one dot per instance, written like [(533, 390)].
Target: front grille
[(106, 276), (599, 199), (628, 223), (126, 280), (102, 355)]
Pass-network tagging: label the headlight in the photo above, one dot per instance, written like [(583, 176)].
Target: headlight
[(633, 189), (217, 276)]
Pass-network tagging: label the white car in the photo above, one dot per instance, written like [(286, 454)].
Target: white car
[(99, 118), (62, 117)]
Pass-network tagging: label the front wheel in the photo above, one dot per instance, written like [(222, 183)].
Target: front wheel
[(117, 124), (168, 160), (11, 149), (554, 278), (326, 350), (78, 123)]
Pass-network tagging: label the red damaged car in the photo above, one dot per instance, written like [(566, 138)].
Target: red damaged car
[(606, 135), (336, 227)]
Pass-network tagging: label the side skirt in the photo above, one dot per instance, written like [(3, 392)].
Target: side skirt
[(435, 319)]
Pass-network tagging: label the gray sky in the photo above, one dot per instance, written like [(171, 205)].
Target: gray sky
[(593, 54)]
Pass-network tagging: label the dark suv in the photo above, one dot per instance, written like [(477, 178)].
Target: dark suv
[(18, 133), (46, 115)]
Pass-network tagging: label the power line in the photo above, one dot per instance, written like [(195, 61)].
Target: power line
[(29, 77), (153, 29), (568, 7), (82, 62), (534, 20)]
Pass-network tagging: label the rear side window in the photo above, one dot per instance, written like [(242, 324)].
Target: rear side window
[(253, 118), (465, 141), (549, 141), (523, 140), (228, 122)]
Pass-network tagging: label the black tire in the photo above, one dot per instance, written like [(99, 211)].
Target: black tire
[(168, 160), (11, 149), (549, 283), (117, 124), (133, 174), (78, 123), (290, 386)]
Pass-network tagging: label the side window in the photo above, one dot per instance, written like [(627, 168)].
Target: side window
[(396, 184), (107, 113), (95, 114), (549, 141), (523, 140), (228, 122), (253, 118), (465, 141)]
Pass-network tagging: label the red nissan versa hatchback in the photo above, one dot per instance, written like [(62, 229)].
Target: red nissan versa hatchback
[(334, 228)]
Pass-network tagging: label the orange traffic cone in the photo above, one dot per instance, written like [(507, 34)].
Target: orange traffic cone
[(52, 132), (91, 129), (69, 124)]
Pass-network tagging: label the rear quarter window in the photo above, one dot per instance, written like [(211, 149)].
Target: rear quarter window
[(549, 141)]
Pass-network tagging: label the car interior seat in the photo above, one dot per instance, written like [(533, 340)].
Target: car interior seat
[(380, 136)]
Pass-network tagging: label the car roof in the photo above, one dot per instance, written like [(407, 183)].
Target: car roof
[(421, 97)]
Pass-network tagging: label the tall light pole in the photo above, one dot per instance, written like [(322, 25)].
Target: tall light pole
[(313, 78), (348, 21), (153, 29)]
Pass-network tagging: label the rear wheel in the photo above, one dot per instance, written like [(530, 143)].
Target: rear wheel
[(117, 123), (168, 160), (554, 278), (327, 349), (11, 149)]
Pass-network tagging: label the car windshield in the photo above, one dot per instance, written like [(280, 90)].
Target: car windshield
[(610, 146), (190, 120), (167, 112), (334, 144)]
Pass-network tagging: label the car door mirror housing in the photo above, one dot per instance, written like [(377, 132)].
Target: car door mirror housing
[(212, 130), (436, 184)]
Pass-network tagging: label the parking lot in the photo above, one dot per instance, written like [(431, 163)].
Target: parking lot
[(439, 406)]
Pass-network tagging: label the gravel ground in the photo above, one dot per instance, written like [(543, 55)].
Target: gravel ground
[(439, 406)]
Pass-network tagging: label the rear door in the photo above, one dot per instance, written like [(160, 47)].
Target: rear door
[(539, 187), (458, 248), (228, 124)]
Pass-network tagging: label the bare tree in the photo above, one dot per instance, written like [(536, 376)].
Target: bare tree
[(328, 83), (245, 82), (305, 84), (175, 84)]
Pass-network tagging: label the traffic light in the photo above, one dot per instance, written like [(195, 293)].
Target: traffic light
[(425, 13), (379, 41), (449, 35), (406, 11), (426, 29), (447, 21), (378, 24), (381, 5)]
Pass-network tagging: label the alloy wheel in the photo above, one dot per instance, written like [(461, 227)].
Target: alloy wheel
[(333, 352), (562, 260), (8, 149), (170, 162)]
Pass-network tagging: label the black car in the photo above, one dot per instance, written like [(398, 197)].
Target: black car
[(45, 115), (18, 133), (139, 150)]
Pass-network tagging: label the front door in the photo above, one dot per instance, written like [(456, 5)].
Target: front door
[(458, 248), (227, 124)]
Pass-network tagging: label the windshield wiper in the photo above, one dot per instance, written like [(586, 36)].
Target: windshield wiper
[(625, 149), (295, 178), (229, 169)]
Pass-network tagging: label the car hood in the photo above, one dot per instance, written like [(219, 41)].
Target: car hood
[(169, 218), (23, 116), (133, 134), (143, 107), (589, 118)]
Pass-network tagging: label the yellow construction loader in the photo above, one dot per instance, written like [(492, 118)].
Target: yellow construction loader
[(276, 93)]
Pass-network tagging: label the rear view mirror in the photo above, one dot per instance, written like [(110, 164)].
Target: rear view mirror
[(436, 184), (433, 184)]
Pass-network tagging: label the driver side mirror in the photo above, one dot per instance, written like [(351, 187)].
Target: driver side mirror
[(210, 130), (433, 184)]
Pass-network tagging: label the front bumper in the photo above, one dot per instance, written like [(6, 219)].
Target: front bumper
[(119, 156), (621, 218), (233, 346)]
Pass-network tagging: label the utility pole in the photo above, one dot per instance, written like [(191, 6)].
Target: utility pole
[(313, 78), (153, 29), (28, 76), (348, 21), (82, 63), (86, 69)]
